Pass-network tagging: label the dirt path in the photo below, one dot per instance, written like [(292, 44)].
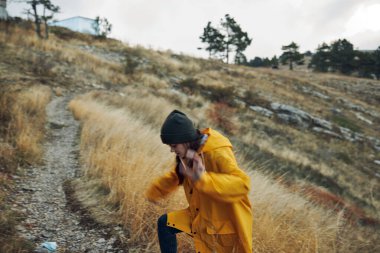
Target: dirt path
[(41, 196)]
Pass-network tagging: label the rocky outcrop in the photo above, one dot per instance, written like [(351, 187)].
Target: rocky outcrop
[(262, 110), (292, 115), (314, 93), (358, 108), (328, 132), (362, 118)]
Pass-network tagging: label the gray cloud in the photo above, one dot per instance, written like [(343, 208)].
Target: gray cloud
[(177, 24)]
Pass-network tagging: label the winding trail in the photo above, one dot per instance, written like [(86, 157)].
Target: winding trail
[(41, 196)]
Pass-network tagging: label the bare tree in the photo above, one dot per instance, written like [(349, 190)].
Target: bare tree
[(51, 9), (102, 27), (48, 10)]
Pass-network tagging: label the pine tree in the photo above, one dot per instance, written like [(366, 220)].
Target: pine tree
[(229, 38), (342, 56), (291, 55), (213, 38), (320, 61), (235, 39), (376, 56)]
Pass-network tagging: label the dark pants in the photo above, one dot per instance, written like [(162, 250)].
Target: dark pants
[(166, 235)]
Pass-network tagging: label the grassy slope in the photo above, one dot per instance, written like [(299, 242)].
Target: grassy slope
[(74, 62), (22, 116)]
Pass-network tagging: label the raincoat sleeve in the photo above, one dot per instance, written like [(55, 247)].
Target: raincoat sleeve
[(162, 186), (229, 183)]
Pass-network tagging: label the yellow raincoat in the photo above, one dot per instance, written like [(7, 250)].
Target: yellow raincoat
[(219, 216)]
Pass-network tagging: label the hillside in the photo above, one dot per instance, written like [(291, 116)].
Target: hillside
[(309, 141)]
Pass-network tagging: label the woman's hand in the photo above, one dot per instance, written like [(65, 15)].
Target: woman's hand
[(197, 169)]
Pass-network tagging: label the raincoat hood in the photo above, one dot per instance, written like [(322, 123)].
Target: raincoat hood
[(215, 140)]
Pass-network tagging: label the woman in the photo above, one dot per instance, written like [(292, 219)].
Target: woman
[(219, 216)]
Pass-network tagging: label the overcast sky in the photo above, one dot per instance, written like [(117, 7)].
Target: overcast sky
[(177, 24)]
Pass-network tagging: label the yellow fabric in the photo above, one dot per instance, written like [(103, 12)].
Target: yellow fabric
[(219, 216)]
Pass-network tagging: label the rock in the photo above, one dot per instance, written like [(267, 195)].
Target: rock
[(322, 123), (336, 111), (359, 108), (292, 119), (98, 86), (358, 137), (353, 106), (377, 162), (101, 240), (330, 133), (240, 103), (262, 110), (29, 237), (91, 251), (359, 116), (308, 90), (346, 133), (292, 115), (41, 250), (320, 95), (287, 109), (20, 228), (56, 125), (28, 188), (375, 143), (46, 234)]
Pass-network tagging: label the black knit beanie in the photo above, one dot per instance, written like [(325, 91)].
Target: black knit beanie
[(178, 128)]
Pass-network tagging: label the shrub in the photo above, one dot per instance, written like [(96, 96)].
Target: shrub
[(222, 95), (130, 65), (191, 86), (343, 121), (253, 98), (222, 115)]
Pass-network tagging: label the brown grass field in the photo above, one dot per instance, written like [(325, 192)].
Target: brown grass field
[(310, 192), (22, 114)]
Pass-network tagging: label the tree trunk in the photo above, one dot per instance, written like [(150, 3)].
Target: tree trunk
[(37, 21), (45, 23), (227, 45), (227, 52), (291, 65), (46, 29)]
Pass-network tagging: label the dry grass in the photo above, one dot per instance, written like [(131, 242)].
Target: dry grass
[(28, 119), (22, 113), (151, 81), (50, 52), (26, 114), (122, 150), (285, 222)]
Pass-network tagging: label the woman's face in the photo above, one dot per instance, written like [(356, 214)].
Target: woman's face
[(179, 149)]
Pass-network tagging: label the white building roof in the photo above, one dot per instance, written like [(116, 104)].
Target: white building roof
[(78, 24)]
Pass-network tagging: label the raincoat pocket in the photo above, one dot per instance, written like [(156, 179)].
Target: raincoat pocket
[(220, 227), (223, 233)]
